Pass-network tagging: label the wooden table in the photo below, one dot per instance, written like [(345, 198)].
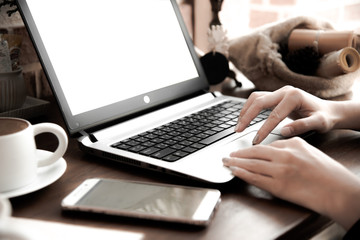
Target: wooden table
[(245, 212)]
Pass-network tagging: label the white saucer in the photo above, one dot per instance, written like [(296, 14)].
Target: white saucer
[(45, 176)]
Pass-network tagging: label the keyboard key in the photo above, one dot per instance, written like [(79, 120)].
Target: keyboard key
[(149, 151), (198, 145), (121, 146), (217, 136), (225, 125), (187, 135), (181, 153), (142, 139), (217, 129), (189, 149), (171, 158), (177, 146), (170, 142), (164, 152), (133, 143), (202, 135), (210, 125), (173, 133), (161, 145), (166, 136), (195, 131), (137, 148), (151, 135), (186, 143), (179, 138), (194, 139), (148, 144), (157, 140), (210, 132)]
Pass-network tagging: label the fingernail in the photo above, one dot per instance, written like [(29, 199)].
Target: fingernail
[(256, 138), (225, 160), (233, 169), (286, 131), (237, 126)]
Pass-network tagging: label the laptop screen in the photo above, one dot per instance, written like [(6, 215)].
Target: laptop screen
[(108, 59)]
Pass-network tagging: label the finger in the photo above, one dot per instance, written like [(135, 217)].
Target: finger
[(300, 126), (257, 180), (281, 144), (257, 102), (264, 152), (257, 166), (249, 111), (279, 113), (250, 101)]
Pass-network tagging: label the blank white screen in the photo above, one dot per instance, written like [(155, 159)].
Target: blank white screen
[(106, 51)]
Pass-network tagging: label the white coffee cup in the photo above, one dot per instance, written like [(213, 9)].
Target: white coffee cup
[(18, 153)]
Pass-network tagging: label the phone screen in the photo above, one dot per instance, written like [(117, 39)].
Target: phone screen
[(168, 202)]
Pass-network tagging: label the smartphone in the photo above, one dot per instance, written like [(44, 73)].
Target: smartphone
[(164, 202)]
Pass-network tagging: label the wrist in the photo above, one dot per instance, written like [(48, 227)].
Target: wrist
[(344, 206), (337, 115), (345, 115)]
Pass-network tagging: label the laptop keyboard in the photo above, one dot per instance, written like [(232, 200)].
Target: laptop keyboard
[(184, 136)]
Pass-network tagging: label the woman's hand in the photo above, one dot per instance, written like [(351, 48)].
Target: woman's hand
[(296, 171), (309, 112)]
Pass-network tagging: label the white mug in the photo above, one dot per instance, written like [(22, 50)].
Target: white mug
[(18, 158)]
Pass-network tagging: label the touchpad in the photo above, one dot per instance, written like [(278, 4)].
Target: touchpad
[(246, 140)]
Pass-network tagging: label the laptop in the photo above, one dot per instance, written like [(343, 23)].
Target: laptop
[(131, 88)]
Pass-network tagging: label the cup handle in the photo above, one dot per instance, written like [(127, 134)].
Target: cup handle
[(61, 136)]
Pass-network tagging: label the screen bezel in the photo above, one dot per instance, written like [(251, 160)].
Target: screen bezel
[(121, 109)]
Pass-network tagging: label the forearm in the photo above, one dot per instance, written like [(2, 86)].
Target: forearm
[(344, 205), (346, 115)]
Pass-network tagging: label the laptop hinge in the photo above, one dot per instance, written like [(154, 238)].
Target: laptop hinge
[(89, 135)]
